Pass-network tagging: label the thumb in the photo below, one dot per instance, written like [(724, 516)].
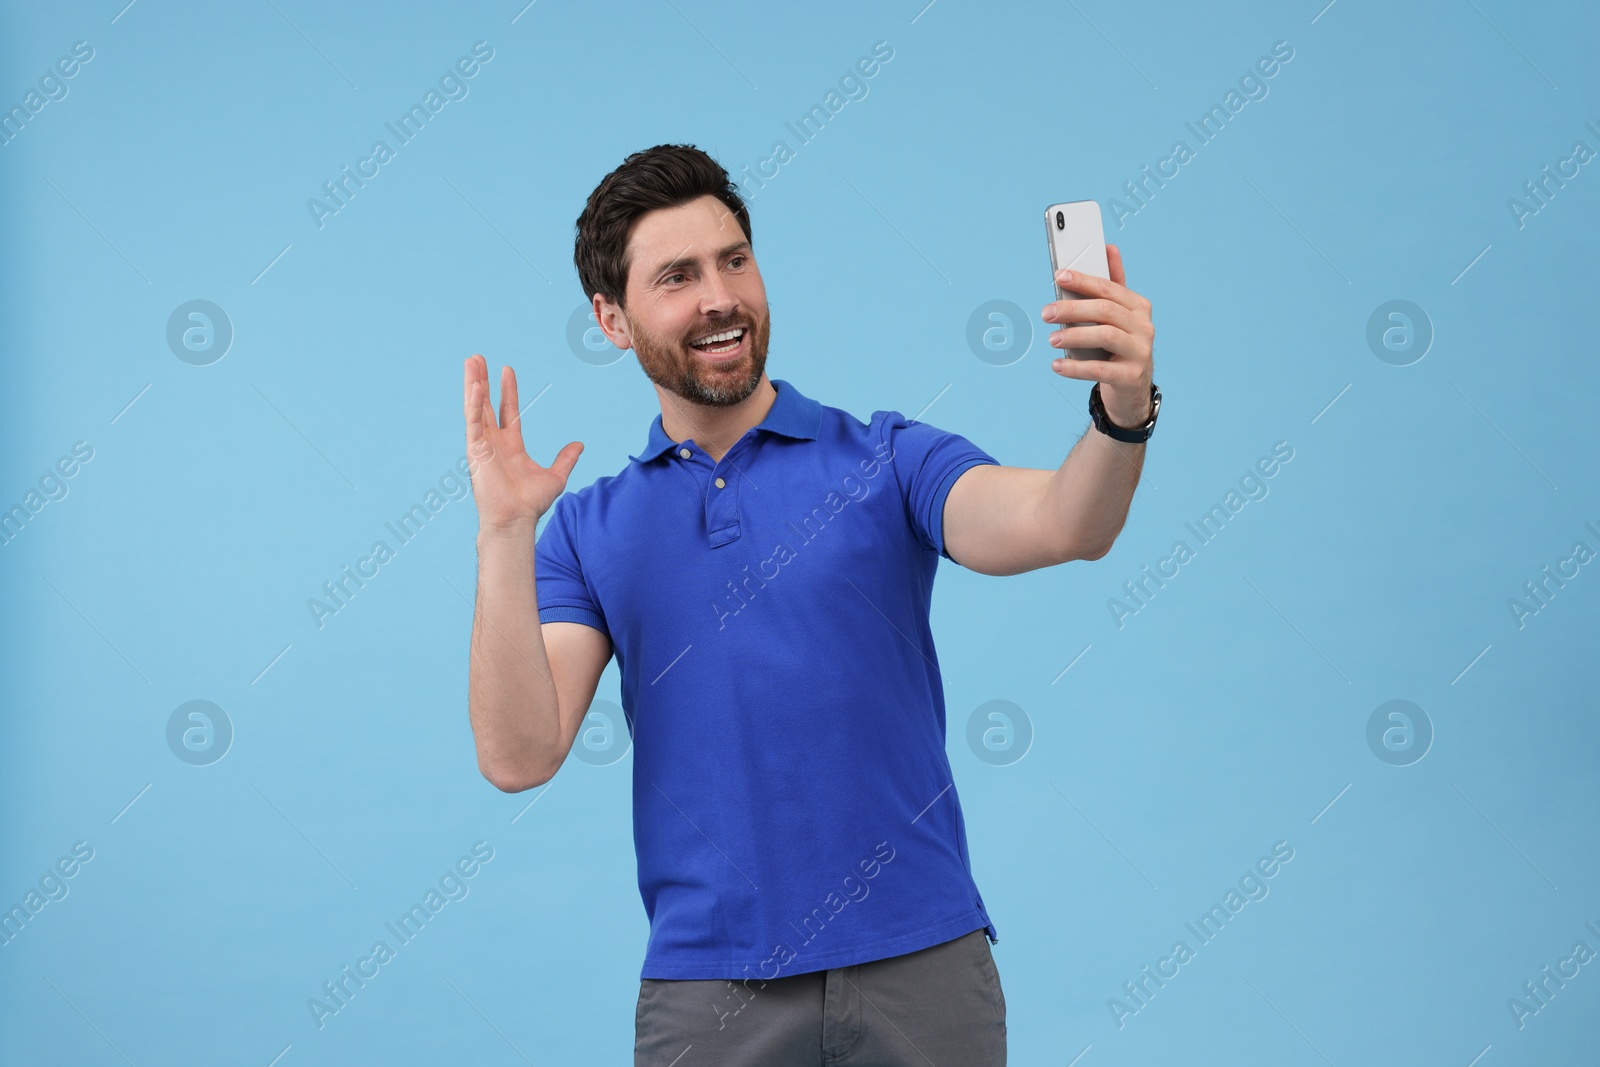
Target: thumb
[(566, 459)]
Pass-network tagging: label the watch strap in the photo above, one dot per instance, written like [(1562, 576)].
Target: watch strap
[(1132, 436)]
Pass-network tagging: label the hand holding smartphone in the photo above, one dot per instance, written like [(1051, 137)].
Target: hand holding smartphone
[(1078, 243)]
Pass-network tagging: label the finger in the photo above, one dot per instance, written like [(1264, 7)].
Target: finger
[(480, 415), (1088, 370), (480, 412), (1091, 310), (1118, 342), (510, 413), (1107, 371), (566, 459), (480, 424), (473, 405), (486, 408), (1093, 285), (479, 448), (1114, 261), (476, 371)]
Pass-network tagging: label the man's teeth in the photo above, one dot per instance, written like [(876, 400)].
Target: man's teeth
[(717, 339)]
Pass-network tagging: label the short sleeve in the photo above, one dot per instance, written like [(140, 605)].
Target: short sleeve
[(562, 593), (926, 462)]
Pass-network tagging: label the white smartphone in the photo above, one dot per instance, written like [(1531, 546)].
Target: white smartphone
[(1077, 243)]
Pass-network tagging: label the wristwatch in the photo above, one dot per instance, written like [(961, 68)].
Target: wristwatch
[(1136, 435)]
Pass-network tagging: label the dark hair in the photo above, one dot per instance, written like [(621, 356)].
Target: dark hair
[(664, 176)]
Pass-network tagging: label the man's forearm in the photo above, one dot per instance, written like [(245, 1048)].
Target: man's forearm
[(511, 695), (1087, 499)]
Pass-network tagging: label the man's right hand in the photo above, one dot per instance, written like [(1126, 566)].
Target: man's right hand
[(512, 491)]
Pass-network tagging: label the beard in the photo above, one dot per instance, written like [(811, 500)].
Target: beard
[(675, 366)]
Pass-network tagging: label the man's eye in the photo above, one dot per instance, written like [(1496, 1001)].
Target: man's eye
[(736, 261), (669, 278)]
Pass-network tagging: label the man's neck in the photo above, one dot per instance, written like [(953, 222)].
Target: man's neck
[(714, 429)]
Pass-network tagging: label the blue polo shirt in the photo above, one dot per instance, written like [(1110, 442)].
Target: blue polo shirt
[(793, 805)]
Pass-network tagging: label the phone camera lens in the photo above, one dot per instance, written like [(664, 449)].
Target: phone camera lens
[(1061, 220)]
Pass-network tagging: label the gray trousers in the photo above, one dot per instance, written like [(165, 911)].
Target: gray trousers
[(939, 1006)]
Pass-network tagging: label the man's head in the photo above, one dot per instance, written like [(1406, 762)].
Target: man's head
[(663, 251)]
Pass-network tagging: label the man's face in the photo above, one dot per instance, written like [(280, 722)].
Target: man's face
[(692, 275)]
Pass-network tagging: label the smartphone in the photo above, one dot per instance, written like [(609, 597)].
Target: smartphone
[(1077, 243)]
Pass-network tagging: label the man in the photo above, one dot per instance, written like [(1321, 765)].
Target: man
[(762, 571)]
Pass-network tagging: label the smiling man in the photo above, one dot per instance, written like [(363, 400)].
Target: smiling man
[(762, 570)]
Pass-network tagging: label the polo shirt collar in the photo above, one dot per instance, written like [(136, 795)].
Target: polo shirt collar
[(792, 414)]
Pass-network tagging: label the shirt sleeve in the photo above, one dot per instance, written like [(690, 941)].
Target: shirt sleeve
[(926, 462), (562, 593)]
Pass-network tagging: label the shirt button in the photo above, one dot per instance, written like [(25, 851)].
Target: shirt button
[(720, 483), (684, 452)]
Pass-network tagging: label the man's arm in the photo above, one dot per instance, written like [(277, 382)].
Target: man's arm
[(1006, 520), (528, 685)]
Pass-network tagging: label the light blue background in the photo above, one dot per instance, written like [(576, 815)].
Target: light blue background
[(1227, 715)]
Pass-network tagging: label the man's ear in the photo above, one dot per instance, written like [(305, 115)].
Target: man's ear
[(613, 321)]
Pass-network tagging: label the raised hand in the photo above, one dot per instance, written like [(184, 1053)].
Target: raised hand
[(1122, 326), (512, 491)]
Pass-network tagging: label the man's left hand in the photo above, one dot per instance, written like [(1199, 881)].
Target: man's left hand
[(1122, 327)]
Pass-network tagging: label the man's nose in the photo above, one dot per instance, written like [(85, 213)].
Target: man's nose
[(717, 296)]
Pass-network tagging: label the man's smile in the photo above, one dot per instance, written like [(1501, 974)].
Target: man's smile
[(722, 345)]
